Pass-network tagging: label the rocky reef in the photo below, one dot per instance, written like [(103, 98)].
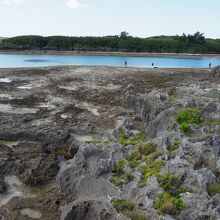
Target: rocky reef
[(110, 143)]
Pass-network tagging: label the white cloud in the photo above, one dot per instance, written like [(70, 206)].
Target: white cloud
[(20, 14), (75, 4), (12, 2)]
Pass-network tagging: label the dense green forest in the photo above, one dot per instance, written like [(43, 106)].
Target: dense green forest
[(196, 43)]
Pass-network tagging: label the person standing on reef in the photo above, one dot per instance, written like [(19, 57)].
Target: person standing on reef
[(126, 63), (210, 65), (152, 64)]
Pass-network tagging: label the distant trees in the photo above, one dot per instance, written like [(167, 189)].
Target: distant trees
[(124, 35), (196, 43), (197, 38)]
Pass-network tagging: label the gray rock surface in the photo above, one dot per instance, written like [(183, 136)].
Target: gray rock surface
[(216, 72)]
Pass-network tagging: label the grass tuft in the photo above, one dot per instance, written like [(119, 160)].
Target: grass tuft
[(214, 189), (168, 204), (186, 117), (120, 177), (128, 209)]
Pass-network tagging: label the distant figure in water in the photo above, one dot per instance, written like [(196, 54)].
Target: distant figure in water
[(126, 63), (210, 65), (152, 64)]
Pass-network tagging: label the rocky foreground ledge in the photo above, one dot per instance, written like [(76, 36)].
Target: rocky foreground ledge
[(109, 143)]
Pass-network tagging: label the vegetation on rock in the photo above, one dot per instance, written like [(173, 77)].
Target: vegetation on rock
[(214, 189), (120, 177), (187, 117), (128, 209), (168, 204)]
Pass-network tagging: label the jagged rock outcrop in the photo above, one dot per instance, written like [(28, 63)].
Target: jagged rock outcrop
[(216, 71), (200, 207), (87, 178), (87, 210), (2, 185)]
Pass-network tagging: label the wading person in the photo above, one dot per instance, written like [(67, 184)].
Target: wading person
[(210, 65), (126, 63)]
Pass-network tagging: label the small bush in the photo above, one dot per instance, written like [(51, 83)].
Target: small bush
[(128, 209), (186, 117), (174, 146), (119, 167), (121, 180), (152, 168), (167, 204), (147, 148), (120, 177), (122, 205), (184, 127), (151, 157), (136, 139), (214, 189), (121, 133), (134, 159), (170, 183), (134, 215)]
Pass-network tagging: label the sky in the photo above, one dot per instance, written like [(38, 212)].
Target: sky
[(142, 18)]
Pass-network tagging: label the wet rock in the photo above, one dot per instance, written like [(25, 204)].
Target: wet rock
[(39, 171)]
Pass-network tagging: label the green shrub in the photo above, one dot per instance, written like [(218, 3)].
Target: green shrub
[(120, 177), (184, 127), (134, 215), (134, 159), (186, 117), (137, 138), (134, 140), (121, 180), (119, 167), (122, 205), (174, 146), (128, 209), (147, 148), (170, 183), (214, 189), (151, 157), (167, 204), (152, 168)]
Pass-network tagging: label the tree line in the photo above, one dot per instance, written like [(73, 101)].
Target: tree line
[(196, 43)]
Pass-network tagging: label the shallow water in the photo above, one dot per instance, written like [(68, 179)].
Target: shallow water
[(13, 190), (7, 108), (34, 214), (10, 60), (5, 80)]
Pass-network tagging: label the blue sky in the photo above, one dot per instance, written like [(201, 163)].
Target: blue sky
[(109, 17)]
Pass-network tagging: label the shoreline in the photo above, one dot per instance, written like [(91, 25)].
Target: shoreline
[(101, 53), (100, 68)]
